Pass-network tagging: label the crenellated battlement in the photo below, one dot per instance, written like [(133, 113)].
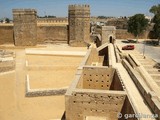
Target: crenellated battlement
[(79, 24), (25, 27), (24, 11), (79, 7), (52, 20)]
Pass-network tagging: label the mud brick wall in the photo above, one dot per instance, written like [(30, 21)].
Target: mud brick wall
[(123, 34), (52, 33), (25, 27), (97, 78), (93, 103), (6, 34), (79, 24)]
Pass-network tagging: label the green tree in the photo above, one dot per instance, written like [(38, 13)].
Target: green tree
[(137, 24), (156, 19), (155, 9), (7, 20)]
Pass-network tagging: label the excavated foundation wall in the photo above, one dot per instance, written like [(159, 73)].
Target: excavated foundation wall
[(85, 103), (97, 91), (97, 78), (7, 66), (43, 92)]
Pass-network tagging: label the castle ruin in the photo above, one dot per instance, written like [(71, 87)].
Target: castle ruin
[(79, 24), (78, 29), (25, 27), (98, 83)]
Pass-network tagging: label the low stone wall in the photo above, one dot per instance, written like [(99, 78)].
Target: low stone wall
[(42, 92), (7, 66), (45, 92)]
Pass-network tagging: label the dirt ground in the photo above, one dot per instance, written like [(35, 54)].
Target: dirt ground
[(55, 71), (13, 103)]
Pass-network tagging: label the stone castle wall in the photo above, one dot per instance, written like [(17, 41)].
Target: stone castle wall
[(106, 33), (79, 24), (28, 30), (52, 20), (123, 34), (44, 33), (52, 33), (55, 33), (6, 34), (25, 27)]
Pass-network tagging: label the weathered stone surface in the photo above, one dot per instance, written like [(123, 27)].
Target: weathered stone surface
[(7, 66), (25, 27), (43, 92), (123, 34), (79, 24), (52, 34), (7, 62), (6, 34), (108, 34)]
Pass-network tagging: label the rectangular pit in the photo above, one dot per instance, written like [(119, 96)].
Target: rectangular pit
[(98, 93), (51, 71), (100, 78)]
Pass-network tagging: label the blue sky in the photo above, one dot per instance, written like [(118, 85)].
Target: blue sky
[(59, 8)]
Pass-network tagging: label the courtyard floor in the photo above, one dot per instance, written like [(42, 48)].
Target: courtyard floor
[(58, 72)]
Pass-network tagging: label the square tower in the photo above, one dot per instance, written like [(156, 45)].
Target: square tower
[(108, 34), (79, 25), (25, 27)]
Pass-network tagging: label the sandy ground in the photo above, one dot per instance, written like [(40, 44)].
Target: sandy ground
[(53, 60), (55, 72), (13, 103), (54, 79), (15, 106)]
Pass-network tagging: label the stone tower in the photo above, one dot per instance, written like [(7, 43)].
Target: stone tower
[(108, 34), (79, 25), (25, 27)]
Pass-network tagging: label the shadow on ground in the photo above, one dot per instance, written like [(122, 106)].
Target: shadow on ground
[(151, 42)]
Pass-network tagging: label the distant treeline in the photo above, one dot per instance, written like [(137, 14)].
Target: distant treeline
[(105, 17), (6, 20), (46, 16)]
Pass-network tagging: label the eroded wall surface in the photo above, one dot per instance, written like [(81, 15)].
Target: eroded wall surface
[(79, 24), (123, 34), (85, 103), (52, 33), (6, 34), (108, 34), (25, 27), (44, 33)]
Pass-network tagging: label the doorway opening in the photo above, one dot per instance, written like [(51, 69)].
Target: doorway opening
[(110, 39)]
